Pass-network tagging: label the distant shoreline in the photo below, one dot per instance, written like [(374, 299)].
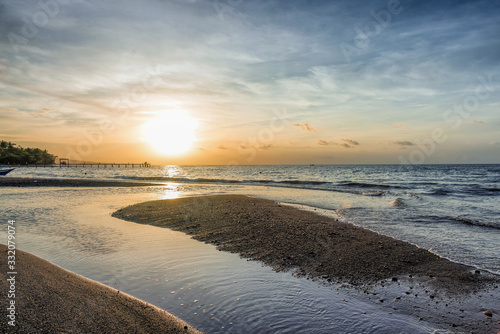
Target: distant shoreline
[(53, 182), (51, 299)]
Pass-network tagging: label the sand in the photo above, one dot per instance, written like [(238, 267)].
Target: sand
[(50, 299), (47, 182), (286, 238)]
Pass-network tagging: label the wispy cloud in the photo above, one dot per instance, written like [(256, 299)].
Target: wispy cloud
[(402, 143), (324, 142), (305, 127), (351, 142), (331, 143), (477, 122), (232, 74), (265, 147)]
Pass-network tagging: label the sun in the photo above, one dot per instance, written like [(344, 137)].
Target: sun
[(171, 133)]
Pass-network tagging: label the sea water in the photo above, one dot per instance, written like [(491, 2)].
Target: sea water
[(453, 210)]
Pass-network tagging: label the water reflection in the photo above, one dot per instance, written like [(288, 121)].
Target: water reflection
[(171, 171), (215, 291), (171, 191)]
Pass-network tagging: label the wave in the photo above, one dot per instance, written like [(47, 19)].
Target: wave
[(491, 189), (365, 185), (473, 222), (398, 202), (373, 193), (344, 187), (176, 179), (360, 188), (473, 189), (303, 182), (205, 180), (440, 192)]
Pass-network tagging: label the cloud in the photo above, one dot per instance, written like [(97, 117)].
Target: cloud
[(265, 147), (402, 143), (279, 53), (221, 147), (351, 142), (331, 143), (261, 147), (494, 143), (305, 127), (401, 126), (477, 122)]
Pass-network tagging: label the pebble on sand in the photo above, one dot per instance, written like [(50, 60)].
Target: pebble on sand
[(488, 313)]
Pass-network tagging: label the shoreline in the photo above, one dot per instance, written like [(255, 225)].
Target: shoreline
[(409, 299), (311, 245), (52, 299), (53, 182)]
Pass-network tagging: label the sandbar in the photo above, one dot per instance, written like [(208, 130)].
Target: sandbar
[(51, 182), (306, 243)]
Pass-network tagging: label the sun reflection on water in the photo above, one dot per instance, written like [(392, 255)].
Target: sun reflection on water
[(171, 171), (171, 191)]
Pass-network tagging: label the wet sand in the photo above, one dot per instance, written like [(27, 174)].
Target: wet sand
[(50, 299), (42, 182), (312, 245)]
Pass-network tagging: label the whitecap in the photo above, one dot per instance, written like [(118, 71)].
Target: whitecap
[(397, 202), (373, 193)]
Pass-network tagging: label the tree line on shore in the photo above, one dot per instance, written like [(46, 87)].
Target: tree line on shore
[(13, 154)]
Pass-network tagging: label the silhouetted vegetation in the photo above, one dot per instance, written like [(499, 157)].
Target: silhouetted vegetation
[(13, 154)]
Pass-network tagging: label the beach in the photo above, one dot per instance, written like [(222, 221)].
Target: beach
[(268, 167), (354, 277), (50, 299)]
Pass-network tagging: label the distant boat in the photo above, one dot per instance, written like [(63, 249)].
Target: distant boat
[(6, 171)]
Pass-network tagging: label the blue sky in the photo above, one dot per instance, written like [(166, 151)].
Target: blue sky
[(265, 81)]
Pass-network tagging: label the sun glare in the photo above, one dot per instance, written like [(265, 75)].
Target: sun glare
[(171, 133)]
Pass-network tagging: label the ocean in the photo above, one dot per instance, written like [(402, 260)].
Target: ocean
[(451, 210)]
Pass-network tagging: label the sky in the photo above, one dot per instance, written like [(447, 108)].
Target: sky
[(252, 82)]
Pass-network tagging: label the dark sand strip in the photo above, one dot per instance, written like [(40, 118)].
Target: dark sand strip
[(50, 299), (41, 182), (287, 238)]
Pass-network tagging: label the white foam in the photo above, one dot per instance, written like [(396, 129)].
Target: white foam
[(399, 202)]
